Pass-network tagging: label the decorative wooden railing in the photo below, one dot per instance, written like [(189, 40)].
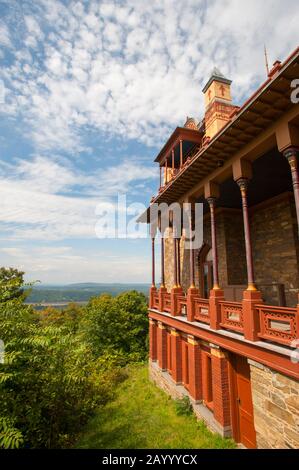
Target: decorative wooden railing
[(182, 305), (231, 316), (275, 324), (156, 303), (167, 302), (278, 324), (202, 313)]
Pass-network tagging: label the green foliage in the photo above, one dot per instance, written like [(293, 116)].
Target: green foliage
[(11, 283), (69, 316), (50, 382), (118, 324), (10, 437), (183, 407)]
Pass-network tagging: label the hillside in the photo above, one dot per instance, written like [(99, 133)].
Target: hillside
[(79, 292), (143, 417)]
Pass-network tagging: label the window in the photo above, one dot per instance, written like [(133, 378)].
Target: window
[(206, 271)]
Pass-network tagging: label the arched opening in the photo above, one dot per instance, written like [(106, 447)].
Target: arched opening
[(205, 264)]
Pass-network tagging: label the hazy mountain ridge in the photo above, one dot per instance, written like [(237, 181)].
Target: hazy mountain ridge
[(79, 292)]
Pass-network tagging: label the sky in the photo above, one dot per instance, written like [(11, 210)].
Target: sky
[(89, 92)]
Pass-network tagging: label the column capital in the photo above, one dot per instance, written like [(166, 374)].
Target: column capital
[(174, 332), (212, 201), (243, 184), (291, 154)]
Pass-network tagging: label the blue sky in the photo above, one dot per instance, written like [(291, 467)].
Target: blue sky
[(89, 91)]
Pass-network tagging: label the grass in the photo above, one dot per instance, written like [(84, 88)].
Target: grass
[(142, 417)]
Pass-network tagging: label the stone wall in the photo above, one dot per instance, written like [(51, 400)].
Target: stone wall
[(275, 249), (163, 380), (276, 408)]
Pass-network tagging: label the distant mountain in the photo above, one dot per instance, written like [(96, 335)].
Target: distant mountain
[(79, 292)]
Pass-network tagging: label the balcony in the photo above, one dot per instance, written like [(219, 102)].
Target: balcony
[(273, 325)]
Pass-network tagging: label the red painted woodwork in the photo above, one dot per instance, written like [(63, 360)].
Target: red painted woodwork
[(268, 357), (182, 305), (179, 261), (212, 202), (278, 324), (169, 353), (202, 313), (162, 346), (243, 422), (220, 384), (292, 156), (153, 340), (185, 364), (194, 369), (231, 316), (207, 383), (243, 185), (153, 262), (176, 352), (162, 263)]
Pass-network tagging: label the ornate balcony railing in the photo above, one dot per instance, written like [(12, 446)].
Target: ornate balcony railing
[(167, 302), (278, 324), (231, 316), (156, 303), (182, 305), (202, 313), (274, 324)]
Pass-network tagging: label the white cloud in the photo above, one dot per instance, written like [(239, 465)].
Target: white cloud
[(38, 197), (60, 265), (136, 69)]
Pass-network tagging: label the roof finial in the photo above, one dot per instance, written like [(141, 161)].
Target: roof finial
[(266, 59)]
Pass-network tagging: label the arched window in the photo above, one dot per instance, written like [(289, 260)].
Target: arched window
[(205, 271)]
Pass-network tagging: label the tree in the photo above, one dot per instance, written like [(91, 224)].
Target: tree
[(50, 382), (11, 284), (117, 324)]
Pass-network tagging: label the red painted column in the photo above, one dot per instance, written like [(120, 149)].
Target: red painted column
[(162, 346), (243, 185), (176, 352), (153, 289), (179, 261), (220, 387), (216, 294), (166, 172), (162, 262), (160, 176), (291, 155), (181, 153), (212, 204), (176, 290), (172, 159), (251, 296), (194, 362), (162, 289), (153, 263), (152, 340), (175, 263), (192, 291)]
